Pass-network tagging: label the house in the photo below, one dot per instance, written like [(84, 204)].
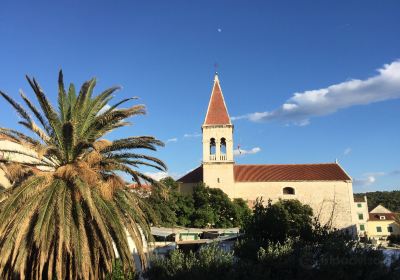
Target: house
[(382, 224), (361, 212), (326, 187)]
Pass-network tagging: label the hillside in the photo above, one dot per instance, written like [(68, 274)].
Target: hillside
[(390, 200)]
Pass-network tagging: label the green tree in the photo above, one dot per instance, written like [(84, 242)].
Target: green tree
[(213, 208), (68, 207), (284, 242), (277, 245), (162, 207), (390, 200), (181, 204), (279, 221), (206, 207)]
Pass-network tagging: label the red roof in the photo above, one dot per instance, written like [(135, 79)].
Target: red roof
[(359, 198), (290, 172), (143, 187), (217, 114), (194, 176), (278, 172), (377, 216)]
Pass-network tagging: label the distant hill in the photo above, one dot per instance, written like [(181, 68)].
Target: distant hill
[(390, 200)]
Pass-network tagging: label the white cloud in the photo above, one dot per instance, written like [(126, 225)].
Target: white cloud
[(104, 109), (192, 135), (376, 174), (242, 152), (172, 140), (347, 151), (370, 177), (369, 180), (312, 103), (157, 175)]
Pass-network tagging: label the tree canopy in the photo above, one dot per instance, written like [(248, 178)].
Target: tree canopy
[(205, 208), (68, 212), (390, 200)]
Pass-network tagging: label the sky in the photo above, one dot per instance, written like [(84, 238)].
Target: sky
[(304, 81)]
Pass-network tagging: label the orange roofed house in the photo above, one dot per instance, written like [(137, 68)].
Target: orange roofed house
[(326, 187)]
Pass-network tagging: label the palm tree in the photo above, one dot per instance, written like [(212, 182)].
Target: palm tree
[(68, 209)]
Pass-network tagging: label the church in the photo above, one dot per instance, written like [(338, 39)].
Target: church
[(326, 187)]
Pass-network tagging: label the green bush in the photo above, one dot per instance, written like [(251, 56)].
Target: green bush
[(210, 262)]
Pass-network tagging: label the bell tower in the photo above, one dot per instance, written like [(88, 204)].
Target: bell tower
[(218, 143)]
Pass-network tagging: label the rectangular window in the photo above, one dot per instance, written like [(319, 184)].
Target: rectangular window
[(390, 229), (362, 228), (378, 229), (359, 205), (360, 216)]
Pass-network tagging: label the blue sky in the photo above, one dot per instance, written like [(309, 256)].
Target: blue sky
[(340, 57)]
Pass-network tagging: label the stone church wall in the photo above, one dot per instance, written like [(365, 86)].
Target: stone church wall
[(331, 201)]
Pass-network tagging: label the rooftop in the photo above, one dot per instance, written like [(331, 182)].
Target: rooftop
[(278, 172), (217, 113)]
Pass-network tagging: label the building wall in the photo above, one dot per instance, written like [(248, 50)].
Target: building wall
[(361, 216), (4, 183), (217, 132), (330, 200), (384, 224), (8, 145), (220, 175), (187, 188)]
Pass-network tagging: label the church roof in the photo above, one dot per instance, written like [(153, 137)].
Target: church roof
[(278, 172), (194, 176), (217, 113), (290, 172)]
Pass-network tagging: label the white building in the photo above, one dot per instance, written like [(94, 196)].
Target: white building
[(326, 187)]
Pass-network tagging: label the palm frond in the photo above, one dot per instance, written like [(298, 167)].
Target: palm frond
[(68, 213)]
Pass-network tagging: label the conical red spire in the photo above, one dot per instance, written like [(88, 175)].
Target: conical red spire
[(217, 114)]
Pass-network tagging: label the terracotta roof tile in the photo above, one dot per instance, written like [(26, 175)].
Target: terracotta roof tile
[(194, 176), (376, 216), (217, 113), (290, 172), (278, 172), (144, 187), (359, 198)]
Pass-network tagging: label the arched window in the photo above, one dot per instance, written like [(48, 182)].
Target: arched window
[(288, 190), (212, 146), (223, 146)]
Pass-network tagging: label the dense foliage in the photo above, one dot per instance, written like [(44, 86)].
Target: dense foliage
[(291, 246), (390, 200), (68, 210), (205, 208), (210, 262), (280, 221)]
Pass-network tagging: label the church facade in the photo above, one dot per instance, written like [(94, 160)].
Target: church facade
[(326, 187)]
